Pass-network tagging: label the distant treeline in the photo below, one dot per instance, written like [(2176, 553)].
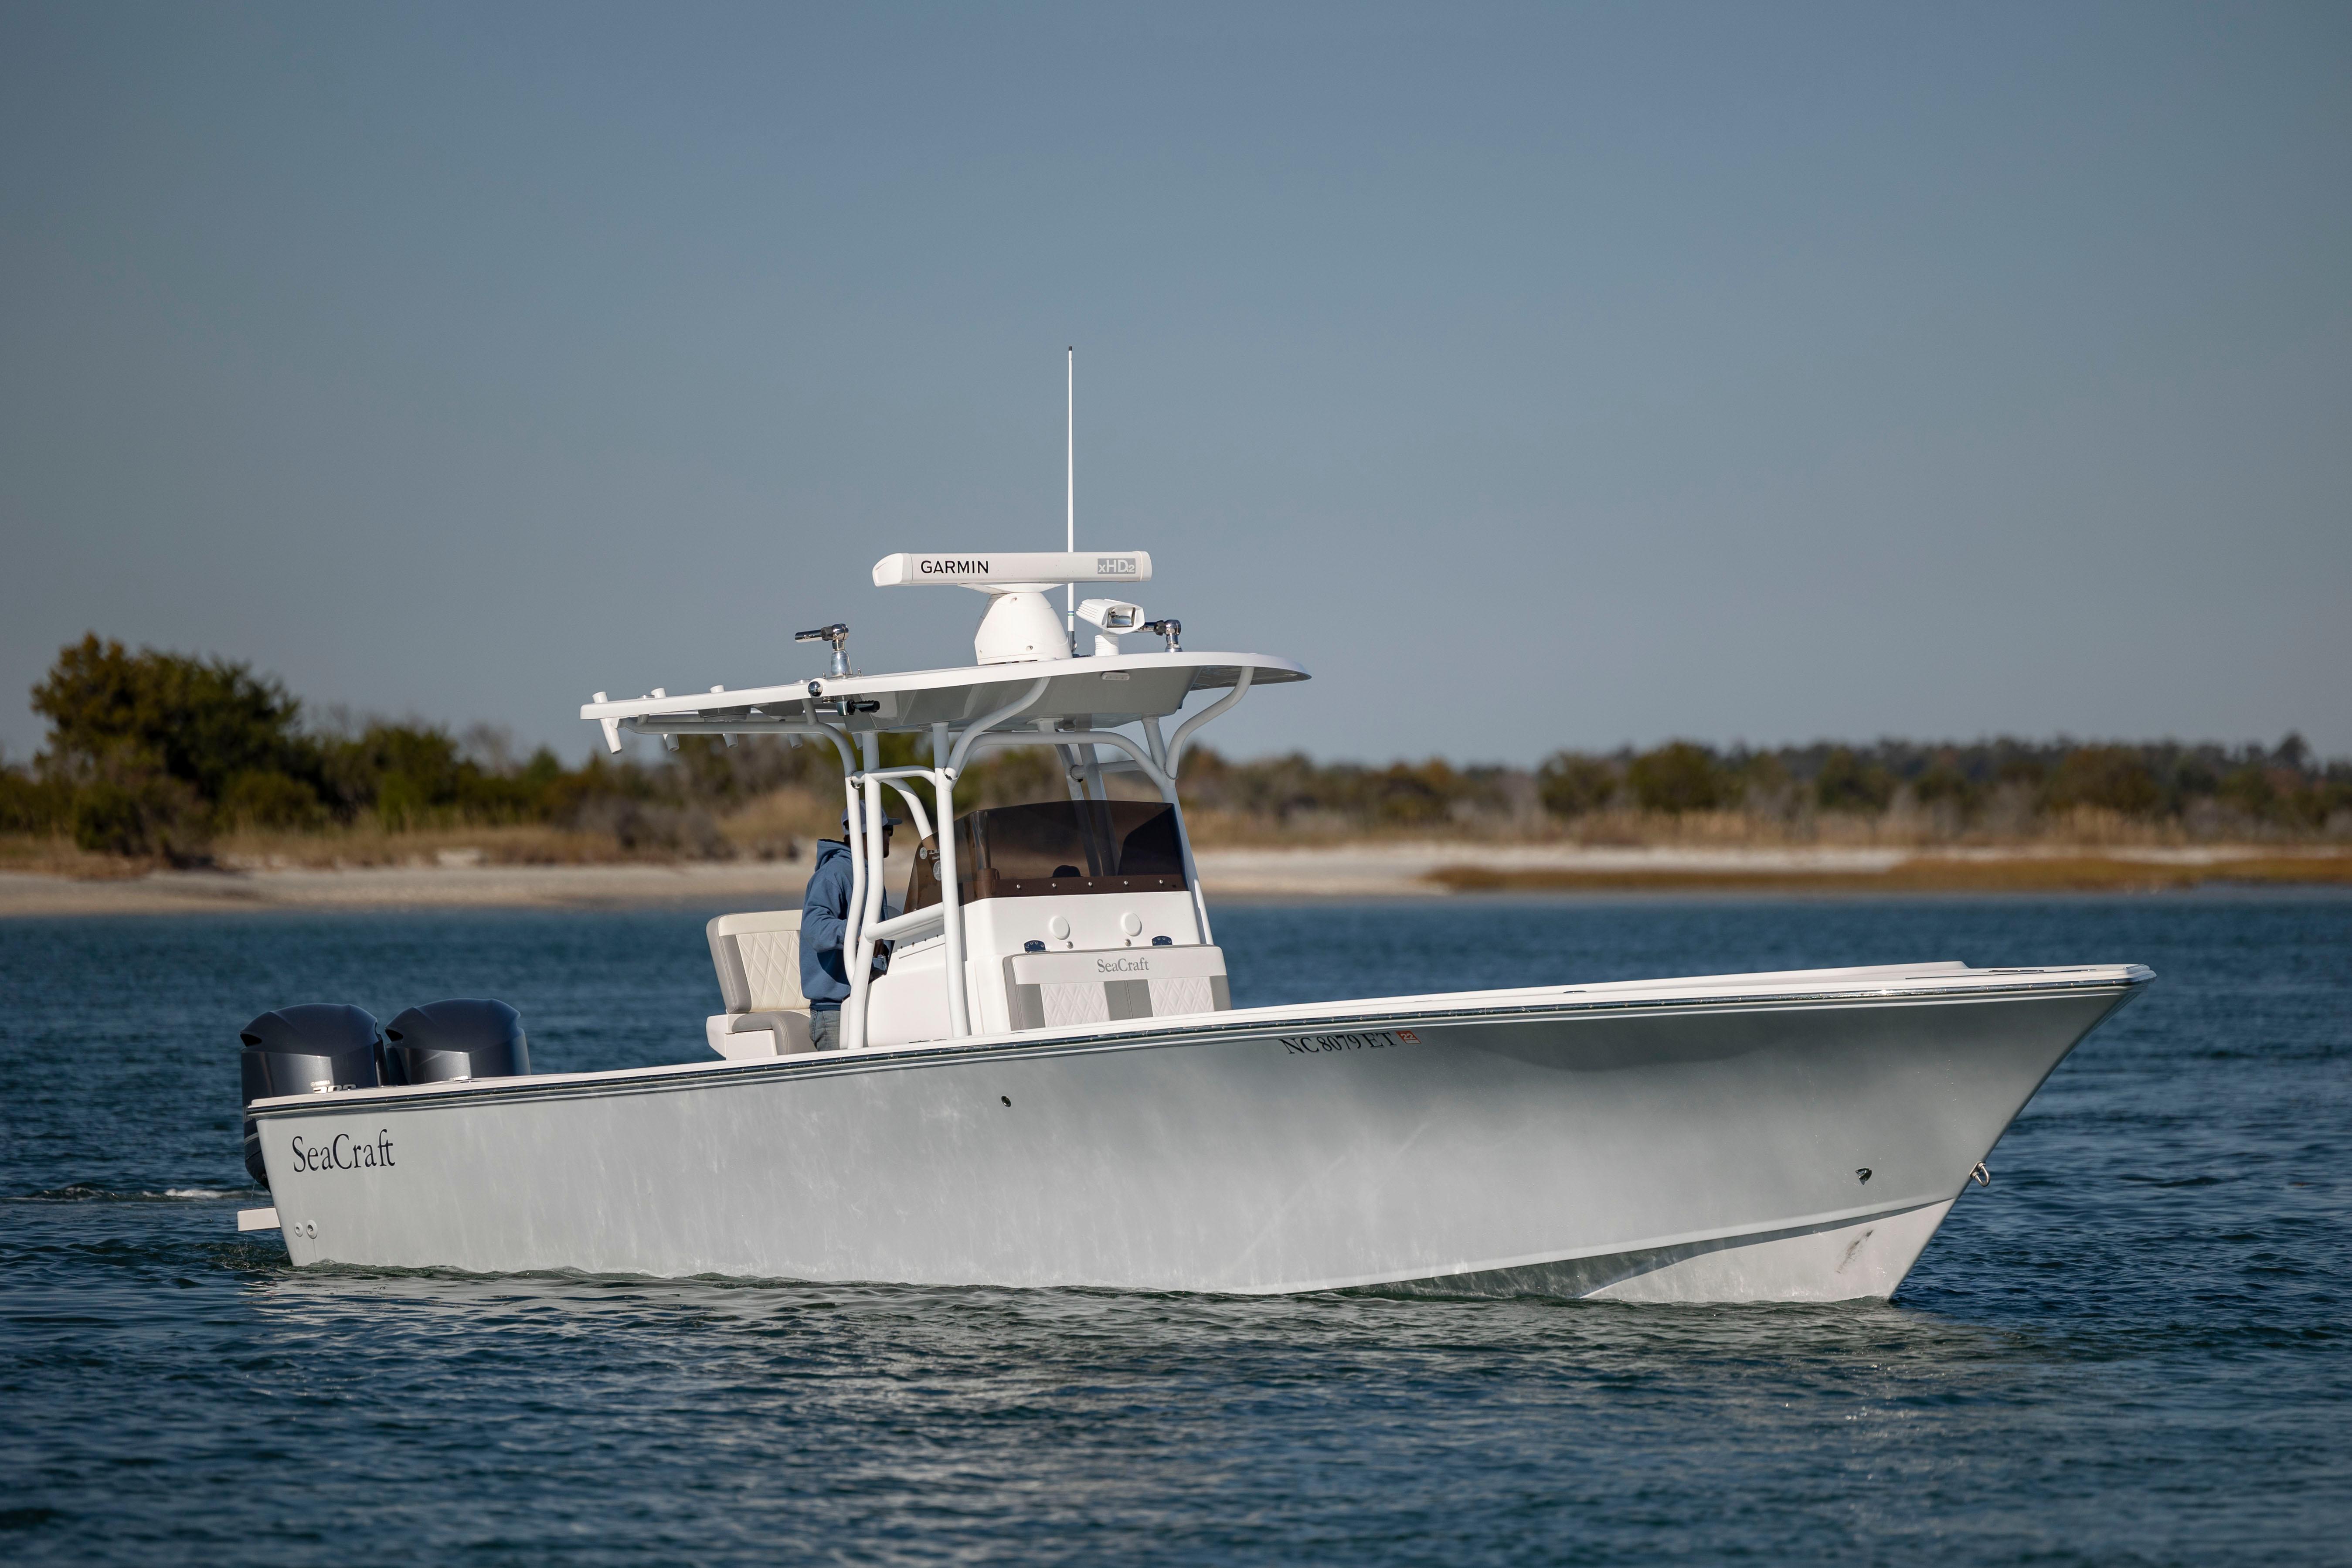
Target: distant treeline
[(154, 755), (2006, 783)]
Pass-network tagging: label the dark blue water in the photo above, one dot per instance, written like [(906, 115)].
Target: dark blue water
[(2131, 1349)]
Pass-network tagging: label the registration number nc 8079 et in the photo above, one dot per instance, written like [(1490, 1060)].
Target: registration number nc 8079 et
[(1377, 1041)]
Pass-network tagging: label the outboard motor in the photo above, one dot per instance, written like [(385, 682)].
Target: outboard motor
[(453, 1041), (305, 1049)]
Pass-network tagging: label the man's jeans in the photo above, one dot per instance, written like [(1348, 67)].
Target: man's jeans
[(825, 1028)]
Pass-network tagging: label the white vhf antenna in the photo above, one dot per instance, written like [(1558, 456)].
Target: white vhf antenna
[(1070, 531)]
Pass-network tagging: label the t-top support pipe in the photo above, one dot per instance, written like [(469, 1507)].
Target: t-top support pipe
[(1167, 782), (865, 893), (950, 888)]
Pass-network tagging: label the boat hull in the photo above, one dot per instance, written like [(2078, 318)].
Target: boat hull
[(1760, 1148)]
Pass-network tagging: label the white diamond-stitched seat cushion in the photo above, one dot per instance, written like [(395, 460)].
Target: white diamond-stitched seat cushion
[(771, 968), (1081, 1002), (1170, 998), (758, 957)]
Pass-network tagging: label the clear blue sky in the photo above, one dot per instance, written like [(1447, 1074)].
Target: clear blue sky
[(1537, 376)]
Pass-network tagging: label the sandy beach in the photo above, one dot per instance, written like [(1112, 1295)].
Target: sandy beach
[(1356, 871)]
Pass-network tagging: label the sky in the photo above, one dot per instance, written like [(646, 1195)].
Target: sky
[(1539, 377)]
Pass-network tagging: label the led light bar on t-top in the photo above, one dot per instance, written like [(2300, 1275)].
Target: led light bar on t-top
[(1021, 624)]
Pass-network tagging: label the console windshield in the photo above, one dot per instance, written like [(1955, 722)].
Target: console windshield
[(1057, 847)]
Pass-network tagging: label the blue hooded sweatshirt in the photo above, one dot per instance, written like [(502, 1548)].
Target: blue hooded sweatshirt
[(824, 922)]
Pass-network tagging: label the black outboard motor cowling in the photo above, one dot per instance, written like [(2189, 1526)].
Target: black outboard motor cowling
[(453, 1041), (305, 1049)]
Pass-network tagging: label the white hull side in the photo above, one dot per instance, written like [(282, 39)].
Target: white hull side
[(1862, 1259), (1699, 1152)]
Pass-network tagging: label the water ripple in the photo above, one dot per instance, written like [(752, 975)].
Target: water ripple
[(2131, 1349)]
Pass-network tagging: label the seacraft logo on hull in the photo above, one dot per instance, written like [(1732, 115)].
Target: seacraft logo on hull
[(345, 1153), (1382, 1040), (1123, 965)]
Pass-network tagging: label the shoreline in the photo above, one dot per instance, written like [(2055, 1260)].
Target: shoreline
[(1436, 869)]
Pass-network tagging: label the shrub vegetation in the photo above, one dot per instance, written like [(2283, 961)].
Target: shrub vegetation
[(153, 756)]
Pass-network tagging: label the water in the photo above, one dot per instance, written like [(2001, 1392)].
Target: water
[(2131, 1349)]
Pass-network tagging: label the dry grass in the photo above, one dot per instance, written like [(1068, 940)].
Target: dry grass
[(778, 826), (784, 825), (44, 855), (2082, 851), (370, 846), (1920, 874), (1626, 828)]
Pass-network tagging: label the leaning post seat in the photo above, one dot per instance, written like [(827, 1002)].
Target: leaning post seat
[(758, 957)]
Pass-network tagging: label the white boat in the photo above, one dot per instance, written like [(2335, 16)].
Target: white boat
[(1050, 1085)]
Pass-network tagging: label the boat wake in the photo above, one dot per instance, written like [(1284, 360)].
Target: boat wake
[(90, 1193)]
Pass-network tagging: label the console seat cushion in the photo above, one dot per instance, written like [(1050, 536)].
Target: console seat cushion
[(790, 1026), (758, 957)]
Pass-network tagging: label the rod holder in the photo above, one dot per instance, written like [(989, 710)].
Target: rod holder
[(837, 635)]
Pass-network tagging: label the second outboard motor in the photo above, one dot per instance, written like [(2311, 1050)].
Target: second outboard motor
[(453, 1041), (305, 1049)]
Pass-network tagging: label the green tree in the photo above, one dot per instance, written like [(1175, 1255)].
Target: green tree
[(2111, 778), (257, 799), (1848, 783), (1012, 776), (201, 722), (2249, 789), (1571, 784), (1945, 784), (1679, 777), (34, 802), (1411, 796), (2017, 768), (1762, 777), (140, 814)]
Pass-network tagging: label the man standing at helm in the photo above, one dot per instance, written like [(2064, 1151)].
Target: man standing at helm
[(824, 931)]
